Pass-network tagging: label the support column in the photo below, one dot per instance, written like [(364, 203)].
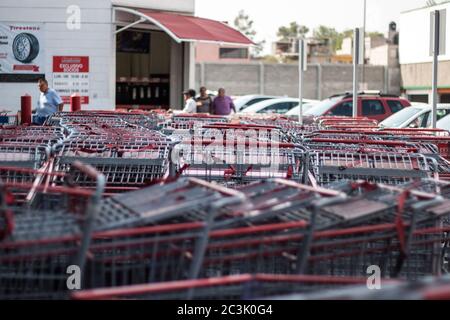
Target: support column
[(319, 82), (189, 65), (202, 75), (176, 75), (386, 80), (262, 80)]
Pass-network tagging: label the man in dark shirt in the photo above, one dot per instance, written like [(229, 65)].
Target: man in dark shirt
[(204, 101)]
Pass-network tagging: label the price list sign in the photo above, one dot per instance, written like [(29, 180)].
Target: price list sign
[(71, 76)]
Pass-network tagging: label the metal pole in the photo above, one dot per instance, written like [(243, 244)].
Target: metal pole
[(301, 68), (355, 71), (435, 67), (364, 45)]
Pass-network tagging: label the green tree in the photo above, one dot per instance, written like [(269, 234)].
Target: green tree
[(293, 30), (333, 37), (244, 24)]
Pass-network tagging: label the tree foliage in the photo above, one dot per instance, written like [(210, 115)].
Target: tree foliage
[(244, 24), (293, 30)]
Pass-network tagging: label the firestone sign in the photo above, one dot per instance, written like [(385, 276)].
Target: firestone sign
[(21, 49), (71, 76)]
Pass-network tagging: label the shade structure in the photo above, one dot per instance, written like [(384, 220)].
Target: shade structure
[(184, 28)]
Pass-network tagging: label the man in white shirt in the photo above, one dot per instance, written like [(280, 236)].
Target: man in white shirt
[(190, 104)]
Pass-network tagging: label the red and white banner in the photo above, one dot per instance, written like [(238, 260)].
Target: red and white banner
[(71, 76)]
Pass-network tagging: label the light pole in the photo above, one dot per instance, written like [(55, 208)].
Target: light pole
[(356, 54), (435, 38), (364, 44), (302, 67), (357, 60)]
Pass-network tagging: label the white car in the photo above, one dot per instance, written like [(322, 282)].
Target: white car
[(276, 106), (295, 113), (415, 116), (244, 102), (444, 123)]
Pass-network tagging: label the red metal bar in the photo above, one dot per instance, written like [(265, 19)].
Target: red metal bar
[(245, 143), (264, 228)]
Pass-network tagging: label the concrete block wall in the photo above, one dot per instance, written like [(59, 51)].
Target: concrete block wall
[(321, 81)]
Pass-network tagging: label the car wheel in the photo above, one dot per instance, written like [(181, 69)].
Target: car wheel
[(25, 47)]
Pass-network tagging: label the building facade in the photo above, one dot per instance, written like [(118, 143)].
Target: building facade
[(416, 58), (114, 53), (209, 52)]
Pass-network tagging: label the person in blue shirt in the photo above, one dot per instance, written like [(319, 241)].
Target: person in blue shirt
[(49, 103)]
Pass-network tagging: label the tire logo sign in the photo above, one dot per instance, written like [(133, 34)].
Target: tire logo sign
[(25, 47)]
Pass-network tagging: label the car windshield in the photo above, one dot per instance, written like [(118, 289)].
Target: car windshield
[(247, 101), (322, 107), (296, 110), (444, 123), (400, 117), (240, 102)]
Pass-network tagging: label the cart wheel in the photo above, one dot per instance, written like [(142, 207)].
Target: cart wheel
[(25, 47)]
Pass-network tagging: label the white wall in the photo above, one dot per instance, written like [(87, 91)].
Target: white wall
[(379, 56), (94, 39), (415, 35), (185, 6)]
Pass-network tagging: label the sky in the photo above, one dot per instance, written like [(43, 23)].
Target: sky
[(268, 15)]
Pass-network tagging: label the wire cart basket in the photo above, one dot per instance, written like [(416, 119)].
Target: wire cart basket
[(39, 246)]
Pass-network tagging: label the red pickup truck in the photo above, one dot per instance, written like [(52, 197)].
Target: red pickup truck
[(374, 106)]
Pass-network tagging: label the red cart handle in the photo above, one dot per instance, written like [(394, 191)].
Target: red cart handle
[(246, 143)]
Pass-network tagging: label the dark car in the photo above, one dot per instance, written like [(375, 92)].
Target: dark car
[(371, 105)]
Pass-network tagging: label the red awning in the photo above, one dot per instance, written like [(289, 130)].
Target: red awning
[(184, 28)]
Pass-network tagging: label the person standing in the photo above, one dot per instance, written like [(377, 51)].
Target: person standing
[(204, 102), (49, 103), (190, 104), (223, 104)]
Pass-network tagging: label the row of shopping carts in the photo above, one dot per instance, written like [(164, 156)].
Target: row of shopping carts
[(124, 147), (305, 238), (134, 149), (128, 150), (207, 208)]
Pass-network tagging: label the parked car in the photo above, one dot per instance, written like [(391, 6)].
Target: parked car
[(275, 106), (416, 116), (444, 123), (372, 105), (244, 102), (295, 112)]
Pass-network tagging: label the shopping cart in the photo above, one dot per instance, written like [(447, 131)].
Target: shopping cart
[(22, 156), (7, 119), (390, 168), (397, 249), (241, 133), (429, 288), (191, 121), (144, 255), (280, 201), (280, 248), (235, 163), (39, 247), (345, 122), (182, 201), (124, 166), (244, 287)]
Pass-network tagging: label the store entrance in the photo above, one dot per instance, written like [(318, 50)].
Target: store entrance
[(142, 70)]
